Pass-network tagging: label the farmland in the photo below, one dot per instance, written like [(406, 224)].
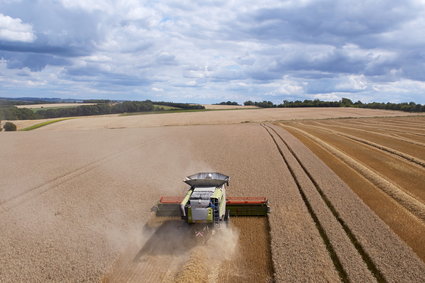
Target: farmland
[(220, 106), (382, 160), (76, 195), (215, 118)]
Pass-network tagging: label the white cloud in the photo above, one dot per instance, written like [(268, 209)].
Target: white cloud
[(401, 86), (13, 29), (352, 83), (191, 83), (88, 5), (289, 87), (332, 96), (214, 50)]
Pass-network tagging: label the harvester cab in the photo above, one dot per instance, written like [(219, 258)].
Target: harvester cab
[(206, 201)]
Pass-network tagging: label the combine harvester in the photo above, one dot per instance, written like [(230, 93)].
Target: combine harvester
[(206, 201)]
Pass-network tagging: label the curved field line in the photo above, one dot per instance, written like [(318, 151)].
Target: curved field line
[(404, 156), (393, 136), (410, 203), (331, 250), (390, 129), (371, 266), (392, 126), (409, 122), (24, 196), (408, 140)]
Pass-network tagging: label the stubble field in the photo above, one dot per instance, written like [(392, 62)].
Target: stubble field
[(223, 117), (382, 160), (75, 203)]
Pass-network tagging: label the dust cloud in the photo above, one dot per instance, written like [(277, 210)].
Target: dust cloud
[(169, 250), (205, 259)]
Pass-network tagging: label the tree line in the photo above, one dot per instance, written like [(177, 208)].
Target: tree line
[(179, 105), (9, 112), (227, 103), (344, 102)]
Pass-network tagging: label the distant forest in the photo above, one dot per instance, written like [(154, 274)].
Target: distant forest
[(10, 112), (344, 102)]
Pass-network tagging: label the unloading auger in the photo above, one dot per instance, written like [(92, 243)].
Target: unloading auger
[(206, 201)]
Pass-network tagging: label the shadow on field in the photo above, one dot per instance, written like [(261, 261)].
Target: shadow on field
[(171, 237)]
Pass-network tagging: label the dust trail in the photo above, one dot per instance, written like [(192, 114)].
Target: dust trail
[(205, 260)]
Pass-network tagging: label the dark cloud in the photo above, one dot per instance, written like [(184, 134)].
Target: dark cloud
[(59, 32), (326, 22), (101, 78), (42, 48), (33, 61)]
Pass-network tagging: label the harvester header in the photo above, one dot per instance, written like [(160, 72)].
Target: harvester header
[(206, 201)]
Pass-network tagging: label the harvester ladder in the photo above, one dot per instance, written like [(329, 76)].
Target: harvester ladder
[(216, 210)]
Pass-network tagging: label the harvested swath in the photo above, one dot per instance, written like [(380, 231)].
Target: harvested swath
[(406, 175), (346, 258), (248, 263), (413, 205), (373, 127), (412, 121), (379, 146), (408, 227), (370, 132), (412, 135), (196, 269), (391, 126), (404, 126), (236, 253), (398, 263)]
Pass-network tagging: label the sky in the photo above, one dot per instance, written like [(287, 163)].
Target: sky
[(211, 51)]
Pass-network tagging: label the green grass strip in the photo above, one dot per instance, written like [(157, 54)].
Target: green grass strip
[(39, 125)]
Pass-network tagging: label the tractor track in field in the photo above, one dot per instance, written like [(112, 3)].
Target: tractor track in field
[(405, 199), (403, 156), (332, 201), (350, 258), (391, 127), (53, 183), (392, 136)]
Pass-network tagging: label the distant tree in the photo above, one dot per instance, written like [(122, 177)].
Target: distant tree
[(227, 103), (265, 104), (248, 103), (9, 127), (178, 105), (346, 102)]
